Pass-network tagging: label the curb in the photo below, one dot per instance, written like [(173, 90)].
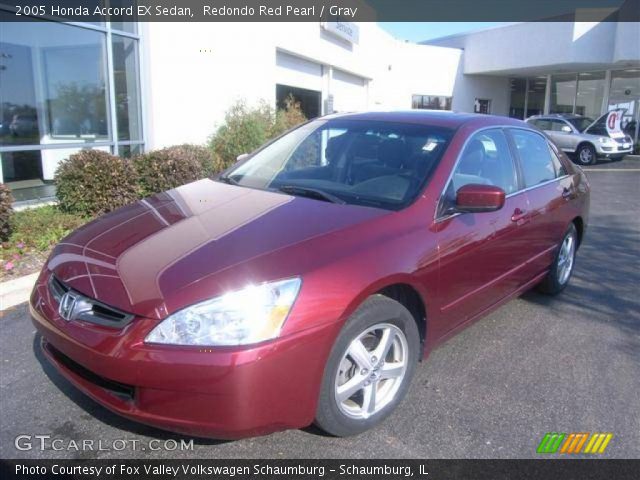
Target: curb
[(15, 292)]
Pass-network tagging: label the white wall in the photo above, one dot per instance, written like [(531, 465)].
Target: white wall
[(627, 42), (193, 72), (469, 87), (566, 46)]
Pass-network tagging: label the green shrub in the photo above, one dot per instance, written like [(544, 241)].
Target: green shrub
[(246, 128), (171, 167), (288, 117), (92, 182), (42, 227), (6, 211)]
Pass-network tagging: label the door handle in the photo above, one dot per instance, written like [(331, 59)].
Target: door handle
[(518, 215)]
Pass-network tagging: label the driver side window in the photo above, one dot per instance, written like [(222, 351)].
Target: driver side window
[(485, 160)]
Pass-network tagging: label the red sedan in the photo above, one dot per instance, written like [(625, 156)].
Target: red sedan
[(307, 282)]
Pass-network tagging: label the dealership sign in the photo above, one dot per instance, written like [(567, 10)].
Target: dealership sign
[(613, 124), (348, 31)]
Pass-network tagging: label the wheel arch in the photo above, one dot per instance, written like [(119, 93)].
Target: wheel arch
[(579, 224), (403, 289), (586, 142), (411, 299)]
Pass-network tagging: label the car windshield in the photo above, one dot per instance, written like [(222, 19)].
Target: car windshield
[(370, 163), (581, 123)]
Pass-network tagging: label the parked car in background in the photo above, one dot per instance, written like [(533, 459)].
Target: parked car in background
[(306, 282), (24, 125), (583, 138)]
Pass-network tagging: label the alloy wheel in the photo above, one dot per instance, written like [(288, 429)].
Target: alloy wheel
[(565, 259), (586, 156), (371, 371)]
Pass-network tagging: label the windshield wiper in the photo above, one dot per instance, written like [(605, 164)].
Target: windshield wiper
[(311, 193), (228, 180)]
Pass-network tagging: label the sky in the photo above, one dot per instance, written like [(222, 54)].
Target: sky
[(418, 31)]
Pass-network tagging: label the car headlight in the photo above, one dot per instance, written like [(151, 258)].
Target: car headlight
[(605, 140), (251, 315)]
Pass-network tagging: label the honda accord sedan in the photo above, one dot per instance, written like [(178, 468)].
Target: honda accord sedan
[(306, 283)]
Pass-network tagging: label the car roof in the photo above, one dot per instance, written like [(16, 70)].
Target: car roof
[(442, 118)]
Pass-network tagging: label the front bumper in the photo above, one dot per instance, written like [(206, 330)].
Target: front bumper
[(615, 151), (211, 392)]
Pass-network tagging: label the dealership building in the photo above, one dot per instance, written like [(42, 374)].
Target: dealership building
[(130, 87)]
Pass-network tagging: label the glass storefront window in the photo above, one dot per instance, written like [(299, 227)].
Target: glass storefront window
[(535, 96), (116, 23), (55, 98), (54, 84), (518, 88), (23, 172), (126, 76), (129, 27), (527, 93), (128, 151), (563, 93), (590, 94), (431, 102)]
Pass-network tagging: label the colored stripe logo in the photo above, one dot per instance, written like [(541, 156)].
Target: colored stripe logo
[(571, 443)]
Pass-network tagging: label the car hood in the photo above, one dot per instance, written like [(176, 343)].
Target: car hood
[(602, 118), (136, 257)]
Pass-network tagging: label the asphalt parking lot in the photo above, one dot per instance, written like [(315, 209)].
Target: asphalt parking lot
[(538, 364)]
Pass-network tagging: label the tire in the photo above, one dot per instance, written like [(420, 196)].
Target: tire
[(378, 318), (586, 155), (562, 267)]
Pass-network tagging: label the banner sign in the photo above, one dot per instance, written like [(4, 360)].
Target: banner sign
[(348, 31), (614, 129)]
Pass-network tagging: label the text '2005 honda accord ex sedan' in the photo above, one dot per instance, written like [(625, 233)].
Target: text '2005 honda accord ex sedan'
[(305, 283)]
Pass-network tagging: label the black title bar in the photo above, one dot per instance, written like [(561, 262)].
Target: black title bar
[(321, 469), (321, 10)]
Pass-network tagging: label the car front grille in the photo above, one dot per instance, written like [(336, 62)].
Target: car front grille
[(623, 140), (121, 390), (87, 309)]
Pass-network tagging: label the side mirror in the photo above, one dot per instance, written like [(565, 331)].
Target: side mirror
[(242, 156), (566, 129), (479, 198)]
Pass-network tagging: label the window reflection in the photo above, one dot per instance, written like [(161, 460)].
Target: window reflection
[(128, 151), (563, 93), (590, 94), (53, 84), (126, 75), (431, 102), (54, 98), (518, 91), (535, 95)]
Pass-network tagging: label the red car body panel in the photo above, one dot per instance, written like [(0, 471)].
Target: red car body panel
[(190, 244)]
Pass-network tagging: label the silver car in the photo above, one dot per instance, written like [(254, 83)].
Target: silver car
[(582, 138)]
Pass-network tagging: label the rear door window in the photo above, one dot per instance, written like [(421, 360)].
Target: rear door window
[(542, 124), (538, 162)]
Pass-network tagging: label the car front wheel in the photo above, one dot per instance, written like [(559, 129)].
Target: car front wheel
[(586, 155), (369, 369)]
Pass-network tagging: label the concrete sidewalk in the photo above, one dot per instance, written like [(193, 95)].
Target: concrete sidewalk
[(15, 292)]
